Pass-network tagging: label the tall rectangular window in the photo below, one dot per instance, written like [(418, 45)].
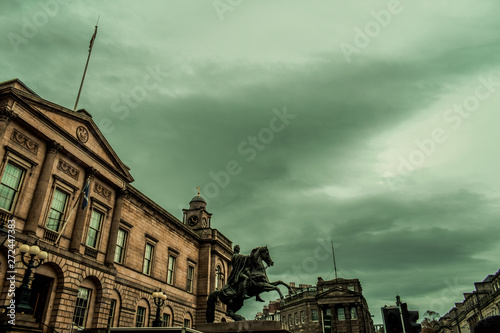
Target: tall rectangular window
[(166, 320), (187, 323), (111, 316), (9, 186), (148, 258), (340, 314), (314, 315), (57, 209), (82, 306), (120, 245), (190, 279), (354, 314), (171, 270), (139, 318), (94, 229)]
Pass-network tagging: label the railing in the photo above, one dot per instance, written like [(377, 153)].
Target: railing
[(4, 217), (51, 329), (50, 235)]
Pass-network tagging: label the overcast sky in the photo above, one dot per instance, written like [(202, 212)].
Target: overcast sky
[(367, 123)]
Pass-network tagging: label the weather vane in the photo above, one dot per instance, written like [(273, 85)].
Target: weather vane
[(198, 188)]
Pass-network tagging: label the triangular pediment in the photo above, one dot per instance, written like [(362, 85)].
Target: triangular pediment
[(78, 126), (338, 292)]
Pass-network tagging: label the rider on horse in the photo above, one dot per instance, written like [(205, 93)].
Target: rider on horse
[(240, 276)]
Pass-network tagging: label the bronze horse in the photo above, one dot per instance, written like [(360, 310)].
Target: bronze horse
[(247, 279)]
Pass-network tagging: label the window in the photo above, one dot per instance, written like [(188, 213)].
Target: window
[(219, 278), (57, 210), (351, 288), (314, 315), (171, 270), (94, 229), (9, 186), (148, 258), (139, 318), (296, 318), (340, 314), (187, 323), (190, 276), (354, 314), (290, 321), (82, 306), (120, 245), (112, 309), (302, 317), (166, 320)]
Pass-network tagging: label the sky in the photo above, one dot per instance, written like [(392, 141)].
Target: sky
[(369, 124)]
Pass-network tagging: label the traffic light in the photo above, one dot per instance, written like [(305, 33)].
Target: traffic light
[(410, 320), (392, 320)]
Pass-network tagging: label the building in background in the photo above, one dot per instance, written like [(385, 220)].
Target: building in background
[(109, 249), (336, 306), (483, 302)]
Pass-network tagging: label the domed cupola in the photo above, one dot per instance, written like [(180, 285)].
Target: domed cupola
[(197, 217)]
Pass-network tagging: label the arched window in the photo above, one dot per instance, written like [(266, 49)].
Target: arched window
[(142, 313), (168, 318), (219, 277), (114, 309), (85, 303), (188, 320)]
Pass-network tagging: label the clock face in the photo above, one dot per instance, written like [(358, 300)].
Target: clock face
[(204, 222), (193, 220)]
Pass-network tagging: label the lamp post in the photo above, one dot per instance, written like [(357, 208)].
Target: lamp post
[(24, 289), (159, 298)]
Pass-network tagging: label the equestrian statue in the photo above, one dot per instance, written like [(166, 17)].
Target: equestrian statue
[(248, 278)]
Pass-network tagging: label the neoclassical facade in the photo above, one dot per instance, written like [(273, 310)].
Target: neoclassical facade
[(477, 305), (108, 248), (336, 306)]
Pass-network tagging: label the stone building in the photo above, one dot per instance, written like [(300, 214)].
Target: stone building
[(336, 306), (483, 302), (105, 259)]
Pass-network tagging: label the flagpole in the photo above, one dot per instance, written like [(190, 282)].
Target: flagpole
[(87, 183), (87, 64)]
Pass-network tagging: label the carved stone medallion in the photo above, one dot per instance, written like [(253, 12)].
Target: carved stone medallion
[(82, 134)]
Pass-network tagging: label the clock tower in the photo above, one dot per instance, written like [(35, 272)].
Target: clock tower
[(197, 217)]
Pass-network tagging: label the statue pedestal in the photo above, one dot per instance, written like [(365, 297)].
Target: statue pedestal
[(249, 326)]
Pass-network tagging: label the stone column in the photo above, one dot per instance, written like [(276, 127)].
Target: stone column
[(6, 115), (347, 312), (81, 214), (335, 319), (40, 195), (115, 225)]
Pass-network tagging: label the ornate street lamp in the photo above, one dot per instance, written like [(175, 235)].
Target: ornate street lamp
[(24, 289), (159, 298)]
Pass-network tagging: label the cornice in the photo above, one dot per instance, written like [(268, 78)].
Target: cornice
[(123, 174)]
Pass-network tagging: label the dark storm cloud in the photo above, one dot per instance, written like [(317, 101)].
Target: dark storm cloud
[(181, 94)]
